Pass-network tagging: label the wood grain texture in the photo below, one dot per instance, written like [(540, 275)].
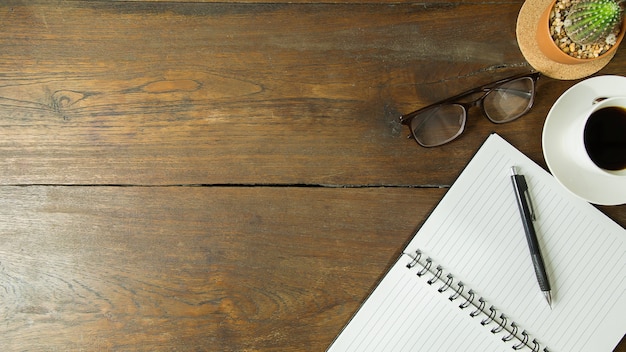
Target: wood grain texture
[(194, 268), (132, 93), (159, 2), (227, 176)]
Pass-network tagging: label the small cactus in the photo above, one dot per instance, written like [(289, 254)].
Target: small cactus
[(594, 21)]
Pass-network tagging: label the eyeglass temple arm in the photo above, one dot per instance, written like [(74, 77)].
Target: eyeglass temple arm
[(534, 76), (445, 101), (490, 86), (408, 116)]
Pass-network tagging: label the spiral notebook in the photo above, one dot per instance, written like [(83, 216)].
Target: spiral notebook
[(465, 282)]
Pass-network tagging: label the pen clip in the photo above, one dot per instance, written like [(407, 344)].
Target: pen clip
[(530, 203), (523, 187)]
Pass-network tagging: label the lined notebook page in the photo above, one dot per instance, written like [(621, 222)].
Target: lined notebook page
[(404, 313), (476, 234)]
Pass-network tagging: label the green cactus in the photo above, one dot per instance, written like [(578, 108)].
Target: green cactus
[(592, 21)]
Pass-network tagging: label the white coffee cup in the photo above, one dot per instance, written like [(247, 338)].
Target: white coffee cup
[(597, 141)]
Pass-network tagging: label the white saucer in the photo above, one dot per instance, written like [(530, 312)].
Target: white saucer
[(591, 186)]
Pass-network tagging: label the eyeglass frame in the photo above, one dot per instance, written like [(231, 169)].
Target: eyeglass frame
[(486, 89)]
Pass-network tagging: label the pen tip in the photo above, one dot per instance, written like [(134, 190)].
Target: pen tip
[(548, 298), (513, 171)]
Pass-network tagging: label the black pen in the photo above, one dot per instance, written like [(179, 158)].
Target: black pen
[(526, 210)]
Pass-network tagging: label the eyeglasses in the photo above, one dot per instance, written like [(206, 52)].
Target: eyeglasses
[(501, 101)]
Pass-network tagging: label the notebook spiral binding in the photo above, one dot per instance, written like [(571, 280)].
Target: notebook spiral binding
[(469, 299)]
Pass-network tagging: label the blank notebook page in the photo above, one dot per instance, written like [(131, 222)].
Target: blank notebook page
[(406, 314), (476, 234)]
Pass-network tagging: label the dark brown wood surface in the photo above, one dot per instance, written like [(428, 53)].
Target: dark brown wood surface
[(227, 176)]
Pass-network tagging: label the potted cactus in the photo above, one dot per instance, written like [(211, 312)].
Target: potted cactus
[(576, 31)]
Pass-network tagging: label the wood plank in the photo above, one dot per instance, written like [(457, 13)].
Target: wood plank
[(125, 93), (194, 268), (182, 2)]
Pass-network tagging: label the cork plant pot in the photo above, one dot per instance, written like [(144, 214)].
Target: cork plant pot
[(553, 52)]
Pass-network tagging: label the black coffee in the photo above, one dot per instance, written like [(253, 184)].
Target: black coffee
[(605, 138)]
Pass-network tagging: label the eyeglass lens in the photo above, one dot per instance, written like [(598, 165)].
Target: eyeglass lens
[(439, 124), (509, 100), (443, 123)]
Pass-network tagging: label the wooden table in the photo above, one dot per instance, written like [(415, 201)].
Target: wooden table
[(227, 176)]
